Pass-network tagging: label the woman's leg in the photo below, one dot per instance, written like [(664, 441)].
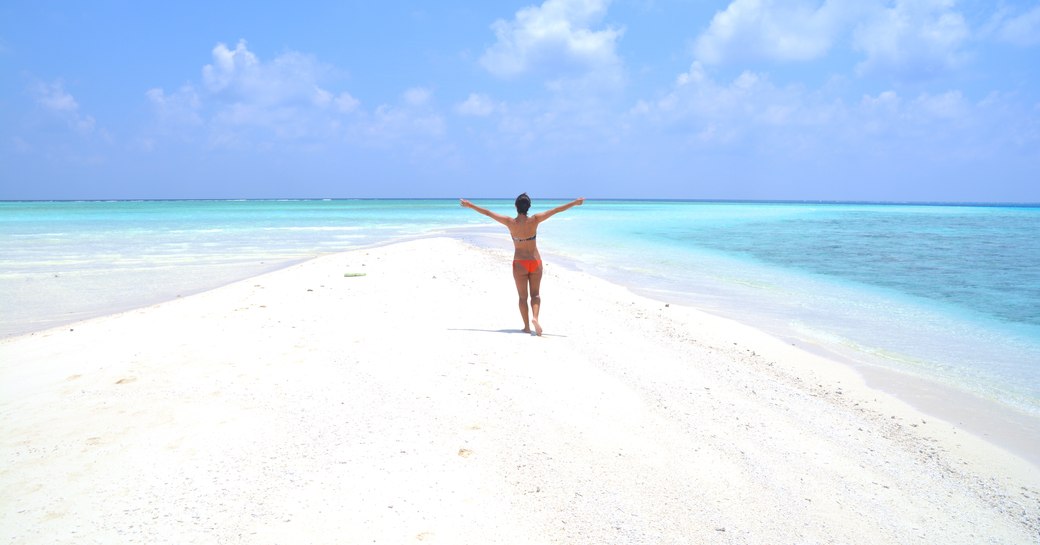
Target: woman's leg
[(535, 280), (520, 276)]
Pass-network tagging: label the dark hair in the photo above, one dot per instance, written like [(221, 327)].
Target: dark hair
[(523, 203)]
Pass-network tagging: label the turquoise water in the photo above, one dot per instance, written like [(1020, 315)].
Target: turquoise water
[(64, 261), (948, 293)]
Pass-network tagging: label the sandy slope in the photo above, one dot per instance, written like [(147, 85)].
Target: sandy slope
[(404, 406)]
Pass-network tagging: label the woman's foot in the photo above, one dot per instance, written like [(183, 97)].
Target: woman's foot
[(537, 328)]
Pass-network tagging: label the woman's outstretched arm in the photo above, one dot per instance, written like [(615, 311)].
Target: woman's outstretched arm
[(497, 217), (542, 216)]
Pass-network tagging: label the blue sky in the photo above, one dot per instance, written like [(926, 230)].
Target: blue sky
[(921, 100)]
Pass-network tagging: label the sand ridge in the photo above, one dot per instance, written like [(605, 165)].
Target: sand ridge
[(307, 406)]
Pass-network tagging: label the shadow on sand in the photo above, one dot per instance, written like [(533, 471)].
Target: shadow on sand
[(503, 331)]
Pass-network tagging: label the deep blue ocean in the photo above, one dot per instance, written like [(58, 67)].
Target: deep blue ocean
[(947, 293)]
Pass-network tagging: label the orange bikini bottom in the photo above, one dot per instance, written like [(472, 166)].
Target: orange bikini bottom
[(531, 265)]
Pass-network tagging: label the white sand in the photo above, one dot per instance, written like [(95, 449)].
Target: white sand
[(303, 406)]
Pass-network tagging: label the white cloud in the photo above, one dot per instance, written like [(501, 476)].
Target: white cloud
[(228, 66), (247, 102), (890, 120), (950, 105), (181, 107), (417, 96), (914, 38), (1023, 30), (751, 108), (244, 100), (887, 100), (388, 125), (345, 103), (239, 76), (751, 99), (54, 98), (906, 38), (321, 97), (476, 105), (782, 30), (555, 38), (805, 128), (553, 125)]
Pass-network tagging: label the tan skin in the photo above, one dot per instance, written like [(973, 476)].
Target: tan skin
[(528, 284)]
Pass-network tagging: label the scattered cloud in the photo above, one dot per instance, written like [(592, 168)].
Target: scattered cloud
[(1022, 29), (738, 112), (904, 38), (555, 39), (405, 132), (779, 30), (390, 123), (412, 121), (912, 38), (53, 98), (417, 96), (179, 108), (244, 101), (346, 103), (949, 105), (558, 125), (476, 105), (291, 79), (227, 64), (751, 112)]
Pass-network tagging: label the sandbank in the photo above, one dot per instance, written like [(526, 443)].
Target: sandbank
[(307, 406)]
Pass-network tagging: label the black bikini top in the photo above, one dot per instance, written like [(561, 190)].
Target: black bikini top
[(525, 239)]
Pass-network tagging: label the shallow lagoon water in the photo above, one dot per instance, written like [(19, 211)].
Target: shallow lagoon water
[(948, 293)]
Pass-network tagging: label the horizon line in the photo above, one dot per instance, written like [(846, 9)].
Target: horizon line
[(1022, 204)]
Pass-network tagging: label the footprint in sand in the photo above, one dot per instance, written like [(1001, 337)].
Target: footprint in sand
[(465, 452), (126, 380)]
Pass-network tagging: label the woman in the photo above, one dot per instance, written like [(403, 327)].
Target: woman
[(527, 263)]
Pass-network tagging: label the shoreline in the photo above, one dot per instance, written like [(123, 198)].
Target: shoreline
[(1003, 425), (269, 408), (993, 421), (244, 271)]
